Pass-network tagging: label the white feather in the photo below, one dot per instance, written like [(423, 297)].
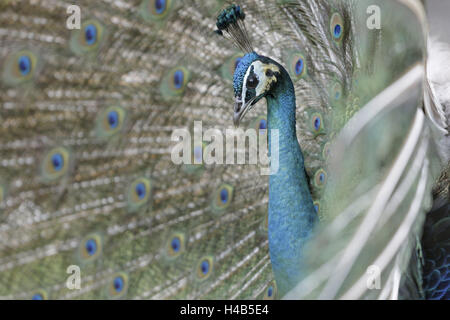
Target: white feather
[(439, 70), (437, 95)]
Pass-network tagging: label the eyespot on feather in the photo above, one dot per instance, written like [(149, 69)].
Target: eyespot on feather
[(317, 206), (40, 295), (20, 67), (204, 268), (118, 286), (316, 123), (110, 122), (336, 27), (175, 82), (271, 291), (259, 124), (196, 166), (336, 91), (139, 193), (56, 163), (297, 65), (222, 198), (89, 38), (175, 245), (156, 11), (320, 178), (90, 247)]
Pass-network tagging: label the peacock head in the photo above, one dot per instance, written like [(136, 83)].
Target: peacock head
[(254, 78)]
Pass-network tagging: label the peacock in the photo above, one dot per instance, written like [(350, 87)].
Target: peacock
[(356, 95)]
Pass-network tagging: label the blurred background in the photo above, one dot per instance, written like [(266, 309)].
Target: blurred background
[(438, 13)]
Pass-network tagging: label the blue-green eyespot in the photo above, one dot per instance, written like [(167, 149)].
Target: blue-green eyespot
[(110, 121), (40, 295), (175, 82), (337, 27), (156, 10), (56, 163), (20, 67), (320, 178), (90, 248), (118, 286), (297, 65), (175, 245), (139, 193), (89, 38), (204, 268), (271, 291)]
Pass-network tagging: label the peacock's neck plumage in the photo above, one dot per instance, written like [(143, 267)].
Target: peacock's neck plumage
[(291, 211)]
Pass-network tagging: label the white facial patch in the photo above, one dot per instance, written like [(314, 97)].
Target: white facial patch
[(265, 82)]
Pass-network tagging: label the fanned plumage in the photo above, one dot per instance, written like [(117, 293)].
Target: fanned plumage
[(86, 176)]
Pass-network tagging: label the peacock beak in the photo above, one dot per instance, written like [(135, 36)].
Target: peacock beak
[(237, 111), (241, 109)]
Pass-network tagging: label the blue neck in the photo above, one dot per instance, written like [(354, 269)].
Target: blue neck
[(291, 211)]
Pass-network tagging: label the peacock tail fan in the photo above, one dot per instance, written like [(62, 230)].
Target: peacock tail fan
[(87, 178), (382, 169)]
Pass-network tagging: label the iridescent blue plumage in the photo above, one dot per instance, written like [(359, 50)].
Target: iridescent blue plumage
[(263, 124), (91, 247), (299, 66), (224, 195), (140, 190), (205, 267), (118, 284), (24, 65), (160, 6), (178, 79), (175, 244), (291, 211), (241, 69), (90, 33), (37, 296), (436, 252), (292, 215), (113, 119), (57, 161)]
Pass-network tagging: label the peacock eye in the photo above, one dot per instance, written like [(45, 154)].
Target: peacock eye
[(90, 247), (118, 286), (252, 82)]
